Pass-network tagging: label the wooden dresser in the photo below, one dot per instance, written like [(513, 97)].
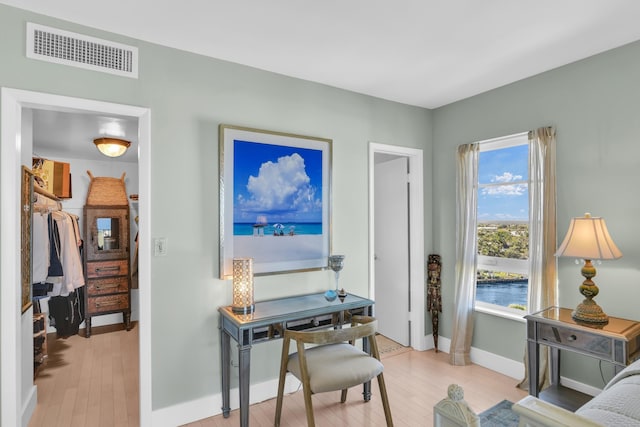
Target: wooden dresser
[(107, 257)]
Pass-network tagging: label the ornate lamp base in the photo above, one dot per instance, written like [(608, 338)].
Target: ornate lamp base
[(589, 312)]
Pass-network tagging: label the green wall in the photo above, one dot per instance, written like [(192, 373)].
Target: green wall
[(594, 105), (189, 96)]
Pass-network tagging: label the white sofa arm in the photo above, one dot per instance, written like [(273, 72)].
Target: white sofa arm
[(534, 412)]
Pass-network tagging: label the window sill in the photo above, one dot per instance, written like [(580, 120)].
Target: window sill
[(495, 310)]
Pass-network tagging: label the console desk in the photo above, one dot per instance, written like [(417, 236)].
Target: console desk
[(267, 322), (617, 342)]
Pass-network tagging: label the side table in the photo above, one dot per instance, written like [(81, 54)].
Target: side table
[(617, 342)]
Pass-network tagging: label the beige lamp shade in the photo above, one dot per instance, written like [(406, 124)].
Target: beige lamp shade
[(588, 238), (112, 147), (242, 285)]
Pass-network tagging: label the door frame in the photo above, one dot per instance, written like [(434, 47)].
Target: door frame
[(417, 315), (11, 159)]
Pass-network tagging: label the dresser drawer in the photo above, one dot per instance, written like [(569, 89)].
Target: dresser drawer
[(108, 268), (596, 345), (108, 303), (107, 285)]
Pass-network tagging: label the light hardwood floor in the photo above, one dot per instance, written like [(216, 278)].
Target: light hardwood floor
[(94, 382), (90, 382)]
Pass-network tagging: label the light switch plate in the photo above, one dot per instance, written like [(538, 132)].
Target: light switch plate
[(160, 246)]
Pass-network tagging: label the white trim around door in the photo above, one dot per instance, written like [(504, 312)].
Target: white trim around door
[(18, 404), (416, 243)]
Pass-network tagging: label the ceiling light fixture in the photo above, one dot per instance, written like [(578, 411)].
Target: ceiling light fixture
[(112, 147)]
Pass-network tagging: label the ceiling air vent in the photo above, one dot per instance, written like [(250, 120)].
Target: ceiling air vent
[(63, 47)]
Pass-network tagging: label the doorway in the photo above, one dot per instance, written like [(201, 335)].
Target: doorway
[(396, 242), (19, 393)]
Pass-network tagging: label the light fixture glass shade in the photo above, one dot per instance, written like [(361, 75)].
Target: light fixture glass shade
[(589, 239), (112, 147), (242, 285)]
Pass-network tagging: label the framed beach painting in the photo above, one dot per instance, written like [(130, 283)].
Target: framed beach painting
[(275, 193)]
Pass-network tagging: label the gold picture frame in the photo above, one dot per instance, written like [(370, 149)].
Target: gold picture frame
[(275, 200)]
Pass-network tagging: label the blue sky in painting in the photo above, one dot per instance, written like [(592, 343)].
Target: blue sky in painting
[(509, 202), (281, 183)]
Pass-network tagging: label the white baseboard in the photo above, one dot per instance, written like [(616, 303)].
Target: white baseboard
[(512, 368), (581, 387), (211, 405), (29, 406)]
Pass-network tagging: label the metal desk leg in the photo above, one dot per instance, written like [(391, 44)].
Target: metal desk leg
[(245, 364), (534, 354), (226, 371)]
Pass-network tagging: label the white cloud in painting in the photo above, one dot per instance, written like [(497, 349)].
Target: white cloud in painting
[(280, 188)]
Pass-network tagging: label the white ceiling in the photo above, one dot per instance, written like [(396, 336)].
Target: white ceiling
[(70, 135), (425, 53)]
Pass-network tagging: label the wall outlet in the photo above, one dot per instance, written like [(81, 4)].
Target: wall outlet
[(160, 246)]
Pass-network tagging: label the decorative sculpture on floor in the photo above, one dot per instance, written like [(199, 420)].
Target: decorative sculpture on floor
[(453, 411), (434, 295)]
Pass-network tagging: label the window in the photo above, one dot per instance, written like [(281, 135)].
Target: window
[(503, 224)]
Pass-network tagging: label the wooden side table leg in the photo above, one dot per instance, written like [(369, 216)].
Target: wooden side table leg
[(126, 317)]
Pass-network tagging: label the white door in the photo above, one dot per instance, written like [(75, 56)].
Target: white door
[(392, 248)]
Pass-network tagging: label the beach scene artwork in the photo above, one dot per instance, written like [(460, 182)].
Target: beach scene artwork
[(280, 217)]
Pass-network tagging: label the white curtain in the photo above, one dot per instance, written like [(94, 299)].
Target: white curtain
[(466, 253), (542, 234)]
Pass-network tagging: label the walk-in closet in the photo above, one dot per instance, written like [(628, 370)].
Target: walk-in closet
[(83, 267)]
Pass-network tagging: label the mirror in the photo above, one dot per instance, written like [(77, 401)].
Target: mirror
[(108, 233)]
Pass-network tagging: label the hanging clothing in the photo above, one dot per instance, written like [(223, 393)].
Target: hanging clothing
[(40, 247), (55, 265), (70, 259)]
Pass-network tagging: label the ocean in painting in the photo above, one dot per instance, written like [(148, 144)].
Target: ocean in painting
[(279, 229)]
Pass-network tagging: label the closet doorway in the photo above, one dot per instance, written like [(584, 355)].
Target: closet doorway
[(16, 149)]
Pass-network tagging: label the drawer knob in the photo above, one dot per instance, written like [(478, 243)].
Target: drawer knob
[(572, 338)]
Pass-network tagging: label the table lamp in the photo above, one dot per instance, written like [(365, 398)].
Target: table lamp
[(242, 286), (589, 239)]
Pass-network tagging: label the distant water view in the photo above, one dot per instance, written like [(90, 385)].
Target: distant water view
[(285, 228), (503, 293)]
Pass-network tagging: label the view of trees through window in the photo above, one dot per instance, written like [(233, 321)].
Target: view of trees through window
[(503, 223)]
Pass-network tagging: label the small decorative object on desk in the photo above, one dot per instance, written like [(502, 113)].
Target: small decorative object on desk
[(342, 294), (336, 263)]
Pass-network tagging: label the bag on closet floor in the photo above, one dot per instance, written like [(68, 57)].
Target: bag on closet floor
[(65, 314)]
